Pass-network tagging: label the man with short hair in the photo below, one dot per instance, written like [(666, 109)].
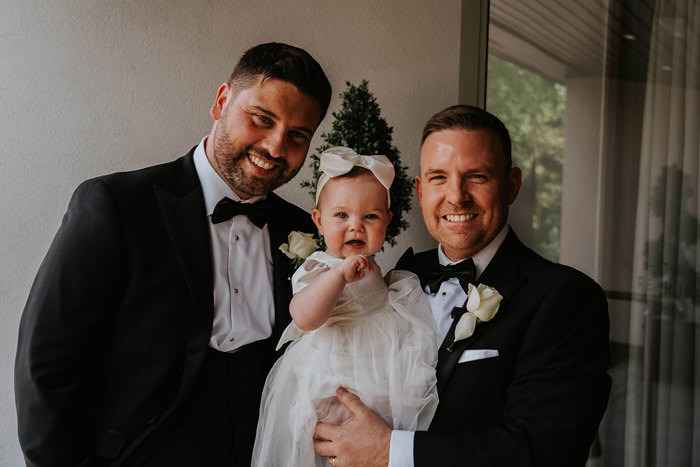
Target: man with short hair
[(152, 322), (528, 387)]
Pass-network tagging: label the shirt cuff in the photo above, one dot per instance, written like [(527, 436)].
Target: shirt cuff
[(401, 448)]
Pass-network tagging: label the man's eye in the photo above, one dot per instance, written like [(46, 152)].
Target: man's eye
[(297, 135), (436, 178), (263, 119)]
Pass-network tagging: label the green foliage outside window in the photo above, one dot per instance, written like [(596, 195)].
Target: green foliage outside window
[(532, 108)]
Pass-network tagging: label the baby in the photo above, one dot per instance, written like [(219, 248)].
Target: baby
[(350, 329)]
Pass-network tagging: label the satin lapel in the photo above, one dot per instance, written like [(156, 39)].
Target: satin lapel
[(282, 271), (185, 220), (182, 209), (501, 274)]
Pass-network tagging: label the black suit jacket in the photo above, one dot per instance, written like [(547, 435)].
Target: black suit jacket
[(119, 317), (539, 403)]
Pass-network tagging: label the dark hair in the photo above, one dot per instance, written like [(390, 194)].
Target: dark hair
[(286, 63), (467, 117)]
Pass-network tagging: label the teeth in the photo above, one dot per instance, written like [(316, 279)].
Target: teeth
[(261, 163), (459, 217)]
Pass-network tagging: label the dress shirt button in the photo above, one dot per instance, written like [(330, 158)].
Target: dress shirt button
[(235, 237), (232, 339), (444, 293), (235, 290)]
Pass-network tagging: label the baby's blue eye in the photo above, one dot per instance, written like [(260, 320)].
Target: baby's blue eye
[(341, 215)]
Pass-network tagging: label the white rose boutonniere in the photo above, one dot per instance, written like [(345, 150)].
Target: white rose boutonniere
[(300, 245), (482, 305)]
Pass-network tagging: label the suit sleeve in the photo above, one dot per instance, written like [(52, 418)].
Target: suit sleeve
[(64, 327), (558, 391)]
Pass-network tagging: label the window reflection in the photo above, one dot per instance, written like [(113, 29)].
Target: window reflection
[(630, 171)]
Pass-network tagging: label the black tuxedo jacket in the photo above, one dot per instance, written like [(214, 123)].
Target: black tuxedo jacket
[(540, 401), (119, 317)]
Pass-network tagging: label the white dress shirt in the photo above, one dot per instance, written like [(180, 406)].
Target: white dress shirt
[(244, 310), (441, 303)]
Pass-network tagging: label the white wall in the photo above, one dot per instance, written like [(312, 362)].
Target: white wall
[(89, 87)]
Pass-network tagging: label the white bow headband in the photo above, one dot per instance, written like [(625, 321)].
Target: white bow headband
[(340, 160)]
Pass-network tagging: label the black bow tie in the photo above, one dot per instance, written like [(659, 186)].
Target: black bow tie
[(258, 213), (436, 274)]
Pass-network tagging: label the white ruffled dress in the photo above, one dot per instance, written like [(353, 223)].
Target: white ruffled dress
[(379, 343)]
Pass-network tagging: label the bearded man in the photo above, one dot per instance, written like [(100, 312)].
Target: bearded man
[(152, 322)]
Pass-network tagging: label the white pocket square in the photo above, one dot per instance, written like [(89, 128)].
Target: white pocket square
[(477, 354)]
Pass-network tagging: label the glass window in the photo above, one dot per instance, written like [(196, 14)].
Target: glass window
[(532, 107), (603, 103)]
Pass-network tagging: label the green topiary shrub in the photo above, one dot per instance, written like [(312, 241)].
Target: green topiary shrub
[(359, 125)]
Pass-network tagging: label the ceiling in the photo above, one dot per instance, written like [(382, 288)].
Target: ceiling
[(561, 39)]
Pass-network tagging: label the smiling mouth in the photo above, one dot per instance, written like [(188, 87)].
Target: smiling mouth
[(259, 162), (459, 217)]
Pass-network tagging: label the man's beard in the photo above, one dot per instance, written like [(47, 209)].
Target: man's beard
[(230, 159)]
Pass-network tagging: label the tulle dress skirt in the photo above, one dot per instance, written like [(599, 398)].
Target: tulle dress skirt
[(379, 343)]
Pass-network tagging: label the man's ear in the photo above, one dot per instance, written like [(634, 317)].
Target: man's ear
[(515, 181), (418, 193), (220, 102), (316, 217)]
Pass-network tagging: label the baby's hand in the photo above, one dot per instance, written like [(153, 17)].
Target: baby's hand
[(353, 267)]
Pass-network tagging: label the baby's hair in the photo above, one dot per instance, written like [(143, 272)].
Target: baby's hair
[(355, 172)]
